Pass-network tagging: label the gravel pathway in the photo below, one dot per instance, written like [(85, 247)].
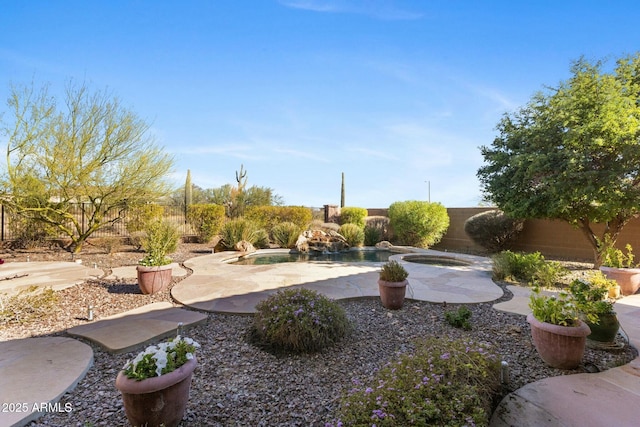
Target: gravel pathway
[(237, 384)]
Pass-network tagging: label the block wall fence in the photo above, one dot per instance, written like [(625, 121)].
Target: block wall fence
[(554, 239)]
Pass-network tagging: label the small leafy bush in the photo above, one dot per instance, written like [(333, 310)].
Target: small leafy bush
[(298, 320), (393, 271), (206, 220), (418, 223), (353, 234), (528, 268), (353, 215), (443, 383), (161, 238), (28, 304), (459, 318), (558, 310), (238, 229), (285, 234), (493, 230), (614, 257)]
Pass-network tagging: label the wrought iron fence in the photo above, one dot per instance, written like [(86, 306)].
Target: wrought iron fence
[(11, 226)]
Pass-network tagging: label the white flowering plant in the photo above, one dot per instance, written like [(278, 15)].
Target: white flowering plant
[(161, 359)]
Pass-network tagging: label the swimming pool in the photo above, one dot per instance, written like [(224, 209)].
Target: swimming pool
[(346, 256)]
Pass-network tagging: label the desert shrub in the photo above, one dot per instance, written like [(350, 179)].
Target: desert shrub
[(371, 236), (109, 244), (285, 234), (298, 320), (353, 215), (353, 234), (376, 229), (393, 271), (459, 318), (28, 233), (268, 217), (238, 229), (528, 268), (29, 304), (206, 220), (493, 230), (418, 223), (139, 216), (261, 239), (444, 382)]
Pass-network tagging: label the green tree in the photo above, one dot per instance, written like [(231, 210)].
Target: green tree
[(572, 153), (86, 151)]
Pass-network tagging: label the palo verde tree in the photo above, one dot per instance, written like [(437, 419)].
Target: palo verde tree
[(85, 151), (573, 153)]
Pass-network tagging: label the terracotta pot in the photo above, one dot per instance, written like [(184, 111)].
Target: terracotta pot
[(154, 279), (606, 329), (627, 278), (560, 347), (159, 400), (392, 293)]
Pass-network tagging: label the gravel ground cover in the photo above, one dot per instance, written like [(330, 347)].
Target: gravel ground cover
[(237, 384)]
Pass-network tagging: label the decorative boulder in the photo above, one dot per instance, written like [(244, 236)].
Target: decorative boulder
[(244, 246)]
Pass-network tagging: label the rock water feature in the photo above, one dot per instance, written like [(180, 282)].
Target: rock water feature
[(321, 241)]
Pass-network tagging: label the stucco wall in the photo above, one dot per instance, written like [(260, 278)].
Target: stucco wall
[(554, 239)]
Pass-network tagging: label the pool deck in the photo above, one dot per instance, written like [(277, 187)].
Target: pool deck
[(218, 286)]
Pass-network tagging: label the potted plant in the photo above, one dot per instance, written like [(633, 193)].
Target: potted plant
[(393, 285), (593, 301), (154, 270), (558, 334), (619, 266), (155, 385)]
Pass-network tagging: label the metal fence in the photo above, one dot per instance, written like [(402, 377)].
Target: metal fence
[(11, 225)]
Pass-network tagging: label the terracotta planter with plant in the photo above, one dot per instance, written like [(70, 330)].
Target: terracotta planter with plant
[(154, 270), (558, 334), (392, 285), (592, 297), (155, 385), (619, 266)]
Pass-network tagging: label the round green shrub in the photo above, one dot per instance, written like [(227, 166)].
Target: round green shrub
[(285, 234), (298, 320), (353, 234), (443, 383), (493, 230), (417, 223), (353, 215), (206, 220)]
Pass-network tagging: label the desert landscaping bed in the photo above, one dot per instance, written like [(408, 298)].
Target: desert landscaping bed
[(237, 384)]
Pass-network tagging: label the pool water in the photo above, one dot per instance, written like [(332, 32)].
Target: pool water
[(441, 261), (347, 256)]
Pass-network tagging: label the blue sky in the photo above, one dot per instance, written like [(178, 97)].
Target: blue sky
[(398, 95)]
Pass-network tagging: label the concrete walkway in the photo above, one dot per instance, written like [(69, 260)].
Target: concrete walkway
[(606, 398)]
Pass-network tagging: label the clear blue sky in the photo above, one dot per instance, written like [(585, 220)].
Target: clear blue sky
[(394, 94)]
